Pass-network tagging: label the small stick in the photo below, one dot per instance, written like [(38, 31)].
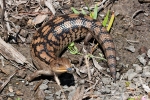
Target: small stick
[(3, 12), (6, 82), (137, 12), (144, 1)]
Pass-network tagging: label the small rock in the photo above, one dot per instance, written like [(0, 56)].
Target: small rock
[(82, 81), (105, 90), (146, 69), (31, 83), (142, 50), (117, 75), (117, 58), (92, 71), (48, 91), (21, 73), (138, 68), (148, 81), (136, 81), (106, 80), (71, 94), (132, 86), (148, 53), (148, 63), (58, 93), (19, 93), (141, 59), (130, 48), (132, 75), (97, 93), (146, 74), (11, 94), (39, 95), (65, 87), (49, 97), (43, 86), (10, 89), (8, 99), (62, 97), (45, 81)]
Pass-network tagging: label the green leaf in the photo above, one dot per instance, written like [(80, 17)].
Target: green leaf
[(83, 12), (131, 98), (111, 21), (127, 84), (71, 44), (74, 10), (95, 12), (102, 57), (73, 49), (106, 19)]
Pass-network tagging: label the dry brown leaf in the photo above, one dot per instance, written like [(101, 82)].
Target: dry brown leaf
[(40, 18), (49, 4)]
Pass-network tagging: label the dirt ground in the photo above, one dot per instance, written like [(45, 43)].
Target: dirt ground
[(131, 35)]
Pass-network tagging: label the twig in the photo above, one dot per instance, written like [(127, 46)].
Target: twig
[(132, 41), (6, 82), (137, 12), (144, 1), (87, 65), (2, 60), (3, 12), (79, 93), (58, 82), (89, 73)]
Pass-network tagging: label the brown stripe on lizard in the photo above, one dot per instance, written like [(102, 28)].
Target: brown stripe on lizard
[(51, 39)]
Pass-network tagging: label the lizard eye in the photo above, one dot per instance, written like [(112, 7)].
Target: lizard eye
[(70, 70)]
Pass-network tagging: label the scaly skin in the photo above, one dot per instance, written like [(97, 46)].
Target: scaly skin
[(49, 41)]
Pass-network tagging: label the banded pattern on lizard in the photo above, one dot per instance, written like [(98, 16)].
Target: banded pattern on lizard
[(49, 41)]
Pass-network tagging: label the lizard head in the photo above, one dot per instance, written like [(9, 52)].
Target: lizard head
[(61, 65)]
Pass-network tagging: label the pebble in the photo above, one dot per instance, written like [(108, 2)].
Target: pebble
[(49, 97), (106, 80), (105, 89), (146, 74), (58, 93), (31, 83), (65, 87), (43, 86), (141, 59), (19, 93), (21, 73), (146, 69), (82, 81), (117, 75), (148, 53), (62, 96), (136, 81), (8, 99), (130, 48), (45, 81), (148, 63), (131, 74), (117, 58), (11, 94), (47, 91), (138, 68), (71, 94), (132, 86)]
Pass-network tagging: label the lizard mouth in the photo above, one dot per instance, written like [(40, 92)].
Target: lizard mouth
[(62, 70)]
